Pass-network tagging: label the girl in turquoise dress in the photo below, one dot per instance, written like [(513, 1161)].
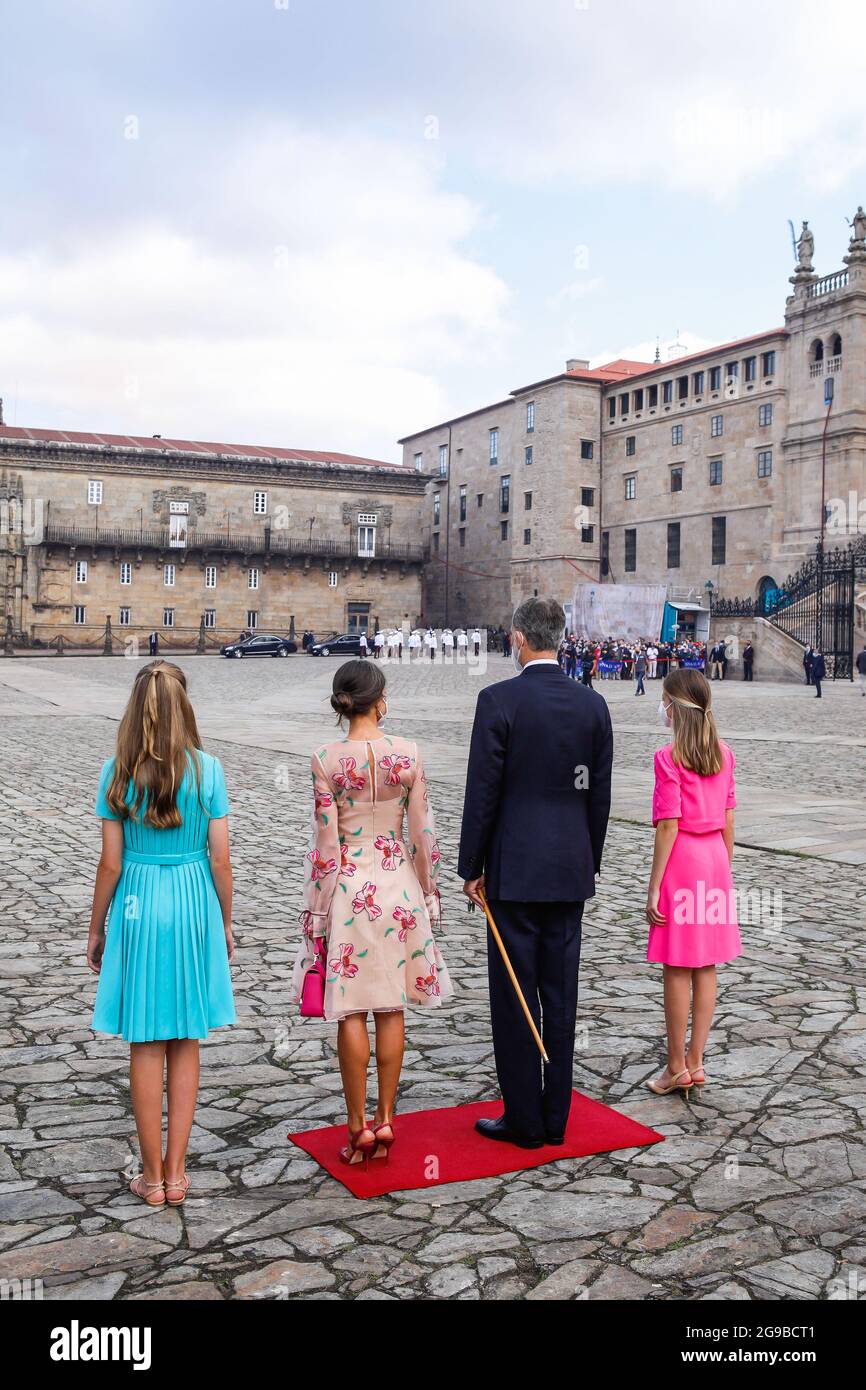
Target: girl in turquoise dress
[(164, 884)]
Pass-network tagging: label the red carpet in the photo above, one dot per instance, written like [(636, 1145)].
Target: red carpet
[(440, 1146)]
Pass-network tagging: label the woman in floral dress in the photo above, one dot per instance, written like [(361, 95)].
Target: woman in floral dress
[(370, 899)]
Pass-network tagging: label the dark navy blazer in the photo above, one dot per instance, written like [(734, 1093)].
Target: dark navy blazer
[(533, 822)]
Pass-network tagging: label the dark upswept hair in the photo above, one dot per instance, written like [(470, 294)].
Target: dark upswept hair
[(696, 740), (357, 686), (157, 741)]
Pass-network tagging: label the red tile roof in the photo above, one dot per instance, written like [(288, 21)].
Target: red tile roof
[(619, 369), (612, 371), (153, 444)]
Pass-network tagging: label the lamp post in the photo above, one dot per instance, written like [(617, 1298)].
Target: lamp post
[(819, 557)]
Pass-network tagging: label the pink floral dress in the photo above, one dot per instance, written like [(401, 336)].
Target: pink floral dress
[(370, 890)]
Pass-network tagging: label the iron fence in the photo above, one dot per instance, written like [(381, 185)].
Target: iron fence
[(815, 606), (265, 542)]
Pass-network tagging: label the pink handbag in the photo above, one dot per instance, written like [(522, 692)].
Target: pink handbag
[(313, 990)]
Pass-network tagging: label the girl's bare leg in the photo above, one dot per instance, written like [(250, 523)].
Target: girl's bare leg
[(183, 1072), (146, 1068), (678, 980), (703, 1008)]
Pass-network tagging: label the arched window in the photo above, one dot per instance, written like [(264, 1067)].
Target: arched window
[(816, 351), (837, 345), (767, 595)]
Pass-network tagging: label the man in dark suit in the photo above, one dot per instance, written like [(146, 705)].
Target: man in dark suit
[(819, 671), (748, 661), (534, 820)]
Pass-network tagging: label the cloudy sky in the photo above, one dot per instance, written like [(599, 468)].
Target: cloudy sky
[(326, 223)]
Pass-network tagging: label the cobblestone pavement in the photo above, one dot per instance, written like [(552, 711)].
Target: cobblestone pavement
[(759, 1190)]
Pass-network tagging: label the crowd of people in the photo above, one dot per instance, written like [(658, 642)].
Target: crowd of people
[(422, 642), (589, 659), (582, 658)]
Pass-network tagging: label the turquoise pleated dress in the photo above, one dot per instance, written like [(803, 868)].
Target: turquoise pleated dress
[(165, 969)]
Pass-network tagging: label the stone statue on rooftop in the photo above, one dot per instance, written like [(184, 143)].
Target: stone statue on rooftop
[(858, 228), (805, 249)]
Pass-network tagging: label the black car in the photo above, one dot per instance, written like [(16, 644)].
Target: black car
[(262, 644), (339, 644)]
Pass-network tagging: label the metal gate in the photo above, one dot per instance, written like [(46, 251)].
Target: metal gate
[(815, 606)]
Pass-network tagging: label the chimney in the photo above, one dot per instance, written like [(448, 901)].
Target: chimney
[(1, 411), (577, 364)]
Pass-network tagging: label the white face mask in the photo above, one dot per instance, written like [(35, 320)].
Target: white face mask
[(664, 714), (382, 717), (515, 657)]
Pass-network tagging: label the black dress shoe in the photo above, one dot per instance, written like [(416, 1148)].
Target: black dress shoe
[(498, 1129), (557, 1139)]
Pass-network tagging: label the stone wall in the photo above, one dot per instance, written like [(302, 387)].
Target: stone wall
[(778, 657), (293, 555)]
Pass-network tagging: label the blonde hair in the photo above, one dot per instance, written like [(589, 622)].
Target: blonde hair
[(696, 740), (156, 742)]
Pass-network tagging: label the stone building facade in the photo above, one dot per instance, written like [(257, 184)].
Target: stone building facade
[(172, 534), (705, 472)]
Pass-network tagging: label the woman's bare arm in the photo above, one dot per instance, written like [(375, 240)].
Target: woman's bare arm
[(728, 833)]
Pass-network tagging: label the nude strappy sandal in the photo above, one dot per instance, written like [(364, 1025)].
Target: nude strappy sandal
[(149, 1187), (676, 1085), (181, 1186)]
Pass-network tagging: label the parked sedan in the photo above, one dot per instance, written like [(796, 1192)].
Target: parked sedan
[(263, 644), (338, 644)]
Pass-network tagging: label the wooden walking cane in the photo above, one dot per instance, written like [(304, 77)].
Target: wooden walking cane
[(512, 977)]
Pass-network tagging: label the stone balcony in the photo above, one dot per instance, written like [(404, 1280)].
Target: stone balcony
[(827, 284), (268, 543), (828, 366)]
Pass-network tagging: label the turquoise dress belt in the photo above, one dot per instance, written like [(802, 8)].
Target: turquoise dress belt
[(134, 856)]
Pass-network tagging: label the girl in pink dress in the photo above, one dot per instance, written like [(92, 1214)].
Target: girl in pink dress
[(691, 906)]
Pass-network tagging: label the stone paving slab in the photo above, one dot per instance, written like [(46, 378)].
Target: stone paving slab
[(758, 1192), (782, 736)]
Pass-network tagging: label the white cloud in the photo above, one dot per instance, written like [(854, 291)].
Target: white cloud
[(323, 282), (691, 97), (683, 345)]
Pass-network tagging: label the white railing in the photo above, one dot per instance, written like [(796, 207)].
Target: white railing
[(829, 366), (837, 281)]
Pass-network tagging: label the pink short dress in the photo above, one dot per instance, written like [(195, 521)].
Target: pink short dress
[(697, 897)]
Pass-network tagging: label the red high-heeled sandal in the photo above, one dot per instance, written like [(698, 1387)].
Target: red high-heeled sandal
[(358, 1150), (383, 1143)]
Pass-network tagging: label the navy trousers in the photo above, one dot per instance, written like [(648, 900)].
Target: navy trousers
[(543, 944)]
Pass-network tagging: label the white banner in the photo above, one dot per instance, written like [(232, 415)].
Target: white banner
[(625, 611)]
